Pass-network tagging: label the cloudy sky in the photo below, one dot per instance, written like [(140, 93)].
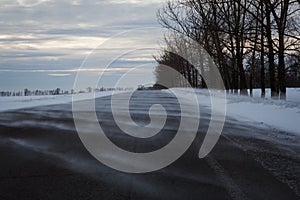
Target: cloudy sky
[(43, 43)]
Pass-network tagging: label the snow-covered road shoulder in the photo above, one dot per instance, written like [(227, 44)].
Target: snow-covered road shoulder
[(283, 115)]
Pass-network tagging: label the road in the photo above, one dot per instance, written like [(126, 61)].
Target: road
[(42, 157)]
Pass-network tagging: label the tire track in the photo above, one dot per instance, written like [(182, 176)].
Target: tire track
[(232, 188)]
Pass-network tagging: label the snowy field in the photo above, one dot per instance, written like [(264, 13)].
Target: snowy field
[(13, 103), (278, 114), (283, 115)]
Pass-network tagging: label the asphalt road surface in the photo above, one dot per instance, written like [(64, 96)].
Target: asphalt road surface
[(42, 157)]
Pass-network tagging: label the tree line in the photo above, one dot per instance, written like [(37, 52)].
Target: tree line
[(27, 92), (58, 91), (254, 43)]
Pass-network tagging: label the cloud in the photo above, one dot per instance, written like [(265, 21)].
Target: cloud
[(136, 1), (125, 69), (49, 36), (60, 75), (31, 3), (55, 26)]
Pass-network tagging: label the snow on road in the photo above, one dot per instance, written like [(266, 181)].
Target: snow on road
[(278, 114)]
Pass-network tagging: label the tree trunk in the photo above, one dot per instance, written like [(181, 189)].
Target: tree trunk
[(271, 54), (262, 56), (281, 67)]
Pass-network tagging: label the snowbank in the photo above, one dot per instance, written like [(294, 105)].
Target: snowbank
[(283, 115)]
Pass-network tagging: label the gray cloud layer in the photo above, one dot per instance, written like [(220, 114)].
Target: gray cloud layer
[(47, 34)]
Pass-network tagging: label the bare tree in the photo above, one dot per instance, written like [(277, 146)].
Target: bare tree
[(233, 31)]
